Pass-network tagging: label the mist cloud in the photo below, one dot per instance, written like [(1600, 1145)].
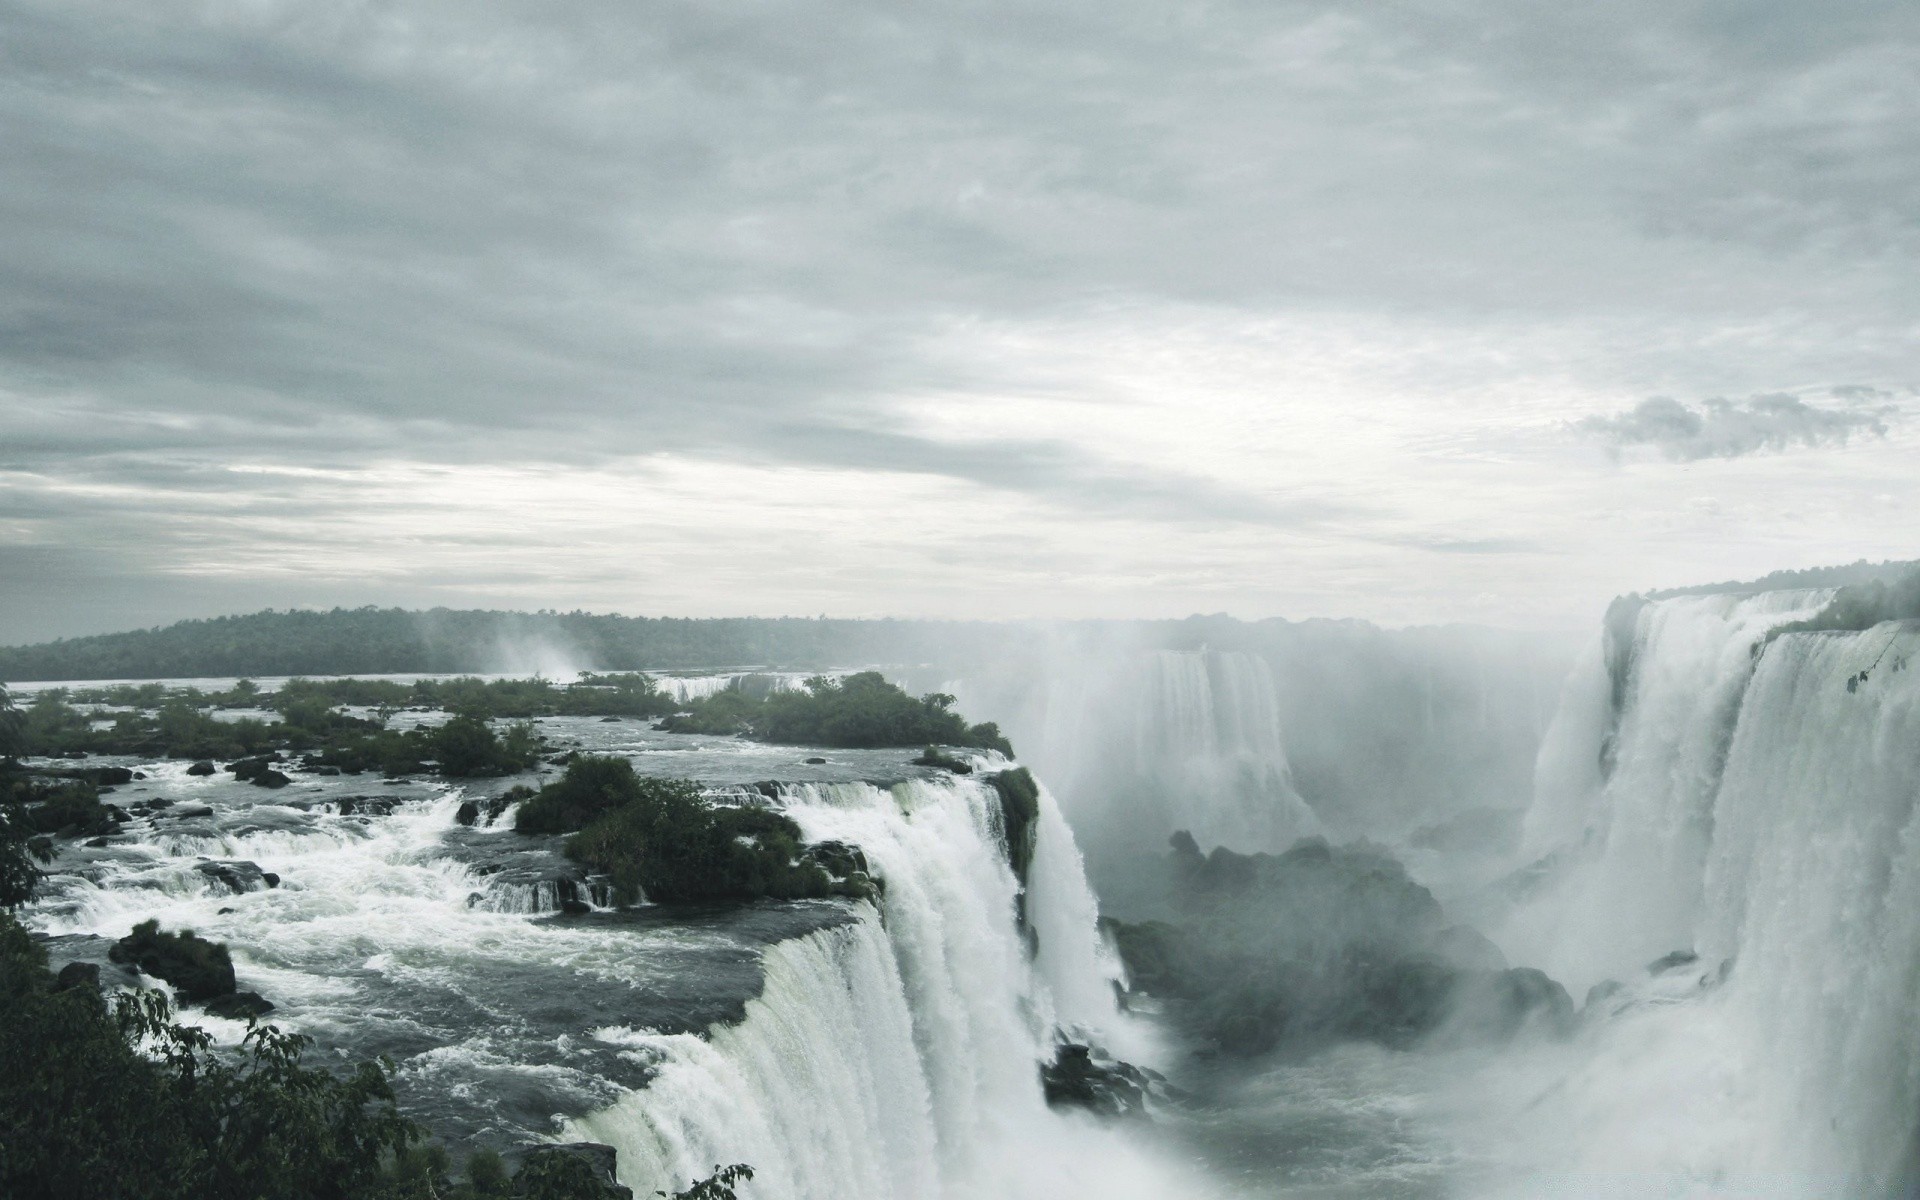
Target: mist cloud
[(1721, 428)]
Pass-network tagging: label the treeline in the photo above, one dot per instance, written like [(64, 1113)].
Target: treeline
[(856, 711), (376, 641), (311, 731)]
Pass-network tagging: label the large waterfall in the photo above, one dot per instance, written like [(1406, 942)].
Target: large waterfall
[(1750, 800), (897, 1055)]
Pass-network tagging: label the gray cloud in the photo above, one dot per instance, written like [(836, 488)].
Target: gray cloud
[(1721, 428), (491, 231)]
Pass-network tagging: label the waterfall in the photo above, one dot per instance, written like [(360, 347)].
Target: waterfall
[(1140, 743), (897, 1055), (1761, 811), (1631, 791)]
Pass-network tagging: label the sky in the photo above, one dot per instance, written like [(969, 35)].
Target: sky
[(1413, 310)]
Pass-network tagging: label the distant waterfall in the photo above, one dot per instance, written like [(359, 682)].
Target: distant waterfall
[(897, 1055), (1143, 743), (1761, 811)]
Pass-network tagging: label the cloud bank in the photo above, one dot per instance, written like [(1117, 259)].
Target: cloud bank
[(1721, 428)]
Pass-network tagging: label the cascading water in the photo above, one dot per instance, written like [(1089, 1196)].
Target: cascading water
[(898, 1055), (1632, 791), (1761, 812), (1146, 743)]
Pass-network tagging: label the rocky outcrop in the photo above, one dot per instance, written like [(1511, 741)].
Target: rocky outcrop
[(1079, 1078), (203, 767), (238, 875), (197, 968), (1322, 942), (1019, 816), (239, 1006)]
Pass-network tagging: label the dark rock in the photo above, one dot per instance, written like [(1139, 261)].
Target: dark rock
[(139, 774), (239, 1006), (270, 778), (468, 813), (239, 876), (816, 760), (248, 768), (1668, 962), (158, 803), (192, 810), (1106, 1086), (203, 767), (329, 771), (577, 1170), (198, 968), (933, 756), (1019, 816), (609, 720), (77, 974)]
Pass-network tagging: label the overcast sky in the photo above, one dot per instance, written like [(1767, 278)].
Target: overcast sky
[(1457, 310)]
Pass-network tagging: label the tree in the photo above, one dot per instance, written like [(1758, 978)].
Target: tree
[(13, 727)]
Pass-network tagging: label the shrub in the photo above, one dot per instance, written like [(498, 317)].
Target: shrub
[(591, 786), (669, 844)]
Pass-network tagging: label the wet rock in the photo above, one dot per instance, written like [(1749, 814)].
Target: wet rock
[(329, 771), (609, 720), (249, 768), (468, 813), (238, 876), (1669, 962), (191, 810), (239, 1006), (585, 1170), (77, 974), (158, 803), (203, 767), (270, 778), (1075, 1078), (815, 761)]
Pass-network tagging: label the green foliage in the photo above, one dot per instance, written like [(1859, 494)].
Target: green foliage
[(592, 785), (199, 968), (124, 1103), (856, 711), (20, 850), (13, 727), (620, 695), (717, 1186), (389, 641), (1863, 605), (467, 746), (669, 844)]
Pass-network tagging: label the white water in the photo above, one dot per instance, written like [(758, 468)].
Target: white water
[(1763, 814), (898, 1056), (1643, 833), (1142, 743)]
